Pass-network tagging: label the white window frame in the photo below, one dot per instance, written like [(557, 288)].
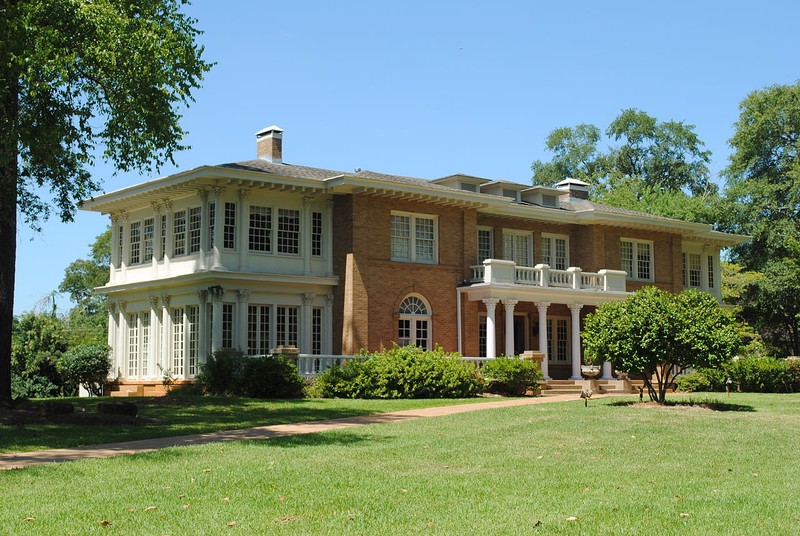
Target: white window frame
[(414, 322), (559, 346), (549, 248), (633, 270), (414, 241), (483, 252), (517, 238)]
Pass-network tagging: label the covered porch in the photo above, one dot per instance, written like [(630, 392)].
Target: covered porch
[(540, 309)]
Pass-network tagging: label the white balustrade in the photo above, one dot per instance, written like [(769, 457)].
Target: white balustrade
[(541, 275)]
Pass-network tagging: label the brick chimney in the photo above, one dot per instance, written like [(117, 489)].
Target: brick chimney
[(269, 144), (574, 188)]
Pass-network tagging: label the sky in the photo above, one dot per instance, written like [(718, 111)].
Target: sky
[(432, 88)]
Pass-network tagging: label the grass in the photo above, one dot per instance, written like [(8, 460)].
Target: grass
[(525, 470), (183, 415)]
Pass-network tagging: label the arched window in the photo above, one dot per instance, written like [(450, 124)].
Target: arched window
[(414, 325)]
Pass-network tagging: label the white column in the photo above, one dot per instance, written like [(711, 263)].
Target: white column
[(327, 236), (202, 327), (491, 342), (156, 237), (241, 320), (305, 235), (113, 328), (169, 238), (607, 371), (243, 230), (166, 339), (216, 312), (327, 334), (219, 213), (114, 248), (122, 355), (203, 229), (155, 338), (542, 307), (305, 324), (509, 305), (126, 245), (575, 310)]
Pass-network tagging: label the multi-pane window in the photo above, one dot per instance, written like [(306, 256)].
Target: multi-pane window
[(260, 233), (710, 260), (195, 222), (179, 233), (192, 326), (517, 247), (227, 325), (288, 231), (133, 345), (558, 340), (148, 237), (316, 330), (136, 243), (211, 215), (316, 234), (485, 244), (258, 329), (482, 336), (163, 237), (229, 226), (555, 251), (178, 342), (286, 325), (121, 233), (144, 337), (636, 257), (413, 326), (414, 238), (694, 275)]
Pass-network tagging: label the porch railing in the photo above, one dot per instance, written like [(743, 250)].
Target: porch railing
[(542, 275)]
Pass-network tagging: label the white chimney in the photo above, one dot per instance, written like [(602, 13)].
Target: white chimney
[(269, 144)]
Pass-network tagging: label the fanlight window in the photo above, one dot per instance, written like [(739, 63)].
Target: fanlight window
[(413, 306), (413, 328)]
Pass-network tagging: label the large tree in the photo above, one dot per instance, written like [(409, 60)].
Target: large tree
[(655, 335), (649, 165), (81, 77), (763, 200)]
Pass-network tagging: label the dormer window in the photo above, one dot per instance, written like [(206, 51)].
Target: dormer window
[(469, 187), (510, 193), (549, 201)]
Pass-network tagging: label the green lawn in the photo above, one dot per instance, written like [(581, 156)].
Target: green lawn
[(182, 415), (525, 470)]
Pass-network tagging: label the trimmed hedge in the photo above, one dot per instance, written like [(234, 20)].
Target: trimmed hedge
[(236, 374), (511, 375), (756, 374), (401, 372)]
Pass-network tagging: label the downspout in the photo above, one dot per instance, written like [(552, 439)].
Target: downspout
[(458, 318)]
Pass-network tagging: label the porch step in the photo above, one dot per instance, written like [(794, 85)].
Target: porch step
[(146, 388)]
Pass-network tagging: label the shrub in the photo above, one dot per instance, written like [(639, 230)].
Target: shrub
[(694, 381), (235, 374), (86, 365), (765, 375), (402, 372), (511, 376)]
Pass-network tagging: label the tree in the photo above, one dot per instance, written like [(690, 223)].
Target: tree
[(763, 200), (87, 365), (655, 167), (38, 343), (657, 334), (78, 76)]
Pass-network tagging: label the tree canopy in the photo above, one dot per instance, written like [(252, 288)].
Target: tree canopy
[(655, 335), (80, 77)]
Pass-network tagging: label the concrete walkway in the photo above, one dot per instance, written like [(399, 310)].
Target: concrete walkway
[(26, 459)]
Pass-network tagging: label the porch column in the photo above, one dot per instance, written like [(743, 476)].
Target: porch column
[(327, 236), (115, 250), (542, 307), (112, 337), (155, 337), (241, 320), (216, 247), (125, 238), (491, 304), (202, 326), (607, 371), (203, 229), (243, 230), (169, 237), (216, 293), (122, 340), (306, 322), (158, 252), (510, 304), (575, 310), (305, 233), (163, 362)]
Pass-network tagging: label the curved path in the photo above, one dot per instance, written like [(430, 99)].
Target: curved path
[(21, 460)]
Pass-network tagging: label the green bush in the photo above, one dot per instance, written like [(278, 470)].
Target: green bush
[(401, 372), (694, 381), (87, 365), (235, 374), (765, 375), (511, 376)]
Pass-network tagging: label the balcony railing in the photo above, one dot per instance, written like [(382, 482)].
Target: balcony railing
[(506, 272)]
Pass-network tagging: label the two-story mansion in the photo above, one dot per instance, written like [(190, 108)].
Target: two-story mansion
[(259, 254)]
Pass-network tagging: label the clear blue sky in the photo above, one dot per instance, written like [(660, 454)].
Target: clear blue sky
[(431, 88)]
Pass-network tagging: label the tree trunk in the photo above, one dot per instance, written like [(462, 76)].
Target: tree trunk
[(9, 111)]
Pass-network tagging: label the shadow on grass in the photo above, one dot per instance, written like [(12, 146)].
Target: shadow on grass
[(713, 405)]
